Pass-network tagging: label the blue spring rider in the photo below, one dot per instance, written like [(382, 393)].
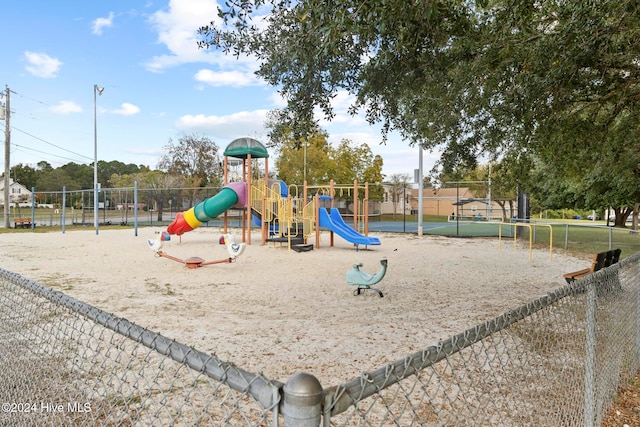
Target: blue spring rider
[(365, 281)]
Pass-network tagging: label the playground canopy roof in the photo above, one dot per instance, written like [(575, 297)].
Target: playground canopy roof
[(243, 147), (466, 201)]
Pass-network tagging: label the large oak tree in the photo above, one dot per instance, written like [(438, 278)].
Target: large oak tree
[(552, 81)]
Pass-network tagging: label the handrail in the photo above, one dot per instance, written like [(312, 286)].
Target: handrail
[(529, 226)]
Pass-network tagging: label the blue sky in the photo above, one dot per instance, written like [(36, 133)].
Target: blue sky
[(157, 85)]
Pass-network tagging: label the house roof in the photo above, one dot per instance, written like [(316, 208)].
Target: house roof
[(12, 183)]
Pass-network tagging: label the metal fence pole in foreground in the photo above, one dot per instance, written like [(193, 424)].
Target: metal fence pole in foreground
[(302, 403)]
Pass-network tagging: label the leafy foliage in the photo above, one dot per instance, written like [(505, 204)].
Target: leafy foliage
[(520, 81), (24, 174), (310, 161), (195, 157), (343, 164)]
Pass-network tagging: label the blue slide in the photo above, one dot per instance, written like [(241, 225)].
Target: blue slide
[(336, 224)]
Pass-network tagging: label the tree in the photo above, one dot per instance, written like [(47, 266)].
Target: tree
[(23, 174), (311, 49), (194, 157), (374, 176), (499, 78), (495, 180), (352, 161), (603, 173), (55, 180), (44, 166), (107, 169), (80, 173), (398, 189), (51, 181), (160, 185), (292, 166)]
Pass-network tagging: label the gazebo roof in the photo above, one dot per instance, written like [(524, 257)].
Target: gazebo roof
[(472, 200), (243, 147)]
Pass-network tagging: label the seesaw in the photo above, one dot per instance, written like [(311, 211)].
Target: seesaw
[(365, 281), (234, 250)]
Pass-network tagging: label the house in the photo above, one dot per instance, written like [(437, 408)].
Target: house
[(434, 201), (17, 192), (440, 202)]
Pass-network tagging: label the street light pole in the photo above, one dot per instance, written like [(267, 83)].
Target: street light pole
[(96, 91), (420, 191)]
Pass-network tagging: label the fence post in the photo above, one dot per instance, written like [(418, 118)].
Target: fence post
[(590, 362), (302, 403), (33, 207), (135, 208), (64, 207), (637, 352)]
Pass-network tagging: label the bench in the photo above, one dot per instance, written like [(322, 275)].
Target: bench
[(22, 223), (600, 260)]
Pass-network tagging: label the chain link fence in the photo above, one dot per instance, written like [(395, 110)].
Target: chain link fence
[(140, 207), (67, 363), (117, 206), (557, 360)]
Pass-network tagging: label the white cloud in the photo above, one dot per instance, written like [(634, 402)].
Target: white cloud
[(277, 100), (226, 78), (101, 23), (177, 30), (127, 109), (397, 155), (42, 65), (66, 107), (244, 123)]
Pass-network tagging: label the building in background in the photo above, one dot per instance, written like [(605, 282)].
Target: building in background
[(18, 193)]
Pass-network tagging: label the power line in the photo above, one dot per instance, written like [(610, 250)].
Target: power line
[(43, 152), (29, 98), (41, 139), (54, 145)]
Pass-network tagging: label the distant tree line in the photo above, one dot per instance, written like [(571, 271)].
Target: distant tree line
[(195, 161)]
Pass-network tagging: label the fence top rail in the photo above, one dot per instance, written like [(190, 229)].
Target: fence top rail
[(90, 190), (579, 224)]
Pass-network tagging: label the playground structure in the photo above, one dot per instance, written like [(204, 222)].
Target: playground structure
[(280, 211)]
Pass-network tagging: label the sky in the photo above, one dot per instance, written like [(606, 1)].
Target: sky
[(158, 86)]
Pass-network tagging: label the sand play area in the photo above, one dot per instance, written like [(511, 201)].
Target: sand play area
[(277, 311)]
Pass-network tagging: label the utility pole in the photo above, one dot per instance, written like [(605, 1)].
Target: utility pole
[(7, 152)]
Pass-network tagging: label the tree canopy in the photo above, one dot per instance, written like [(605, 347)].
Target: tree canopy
[(546, 88), (195, 157), (470, 78), (308, 160), (342, 164)]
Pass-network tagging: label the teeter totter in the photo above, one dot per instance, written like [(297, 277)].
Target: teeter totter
[(234, 250), (364, 281)]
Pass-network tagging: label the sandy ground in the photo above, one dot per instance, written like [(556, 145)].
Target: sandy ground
[(277, 311)]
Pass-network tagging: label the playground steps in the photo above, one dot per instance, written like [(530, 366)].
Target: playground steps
[(302, 248), (294, 240)]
